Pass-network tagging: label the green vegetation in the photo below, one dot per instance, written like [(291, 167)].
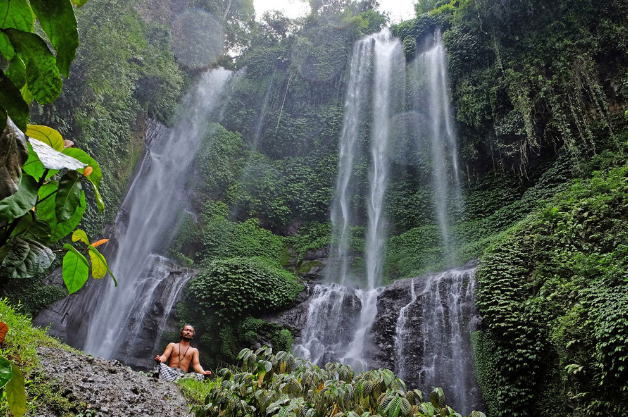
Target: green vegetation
[(281, 385), (124, 73), (194, 390), (20, 346), (222, 300), (540, 91), (552, 294)]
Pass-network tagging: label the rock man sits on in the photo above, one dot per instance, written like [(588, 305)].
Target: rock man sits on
[(180, 354)]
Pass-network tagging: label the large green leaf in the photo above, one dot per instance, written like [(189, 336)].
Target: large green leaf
[(57, 19), (30, 228), (96, 176), (42, 74), (46, 212), (12, 101), (6, 371), (21, 202), (13, 154), (45, 134), (53, 159), (24, 258), (17, 72), (16, 14), (6, 49), (33, 165), (75, 269), (16, 394), (68, 196)]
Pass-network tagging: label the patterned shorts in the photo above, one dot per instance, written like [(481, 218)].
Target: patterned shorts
[(172, 374)]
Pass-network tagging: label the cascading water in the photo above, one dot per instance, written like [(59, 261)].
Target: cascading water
[(432, 329), (433, 337), (144, 226), (402, 335), (357, 92), (372, 70), (442, 139), (385, 48)]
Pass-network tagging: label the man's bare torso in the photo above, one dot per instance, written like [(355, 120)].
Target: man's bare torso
[(181, 356)]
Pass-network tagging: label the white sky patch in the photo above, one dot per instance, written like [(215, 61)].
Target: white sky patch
[(290, 8), (398, 10)]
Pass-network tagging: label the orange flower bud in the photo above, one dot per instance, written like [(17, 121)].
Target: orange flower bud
[(88, 170)]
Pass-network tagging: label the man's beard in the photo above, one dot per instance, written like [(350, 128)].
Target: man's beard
[(186, 338)]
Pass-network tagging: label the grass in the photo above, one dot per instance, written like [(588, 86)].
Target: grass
[(20, 347), (23, 339), (195, 391)]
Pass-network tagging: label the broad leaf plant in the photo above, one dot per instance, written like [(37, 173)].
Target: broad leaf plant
[(42, 176)]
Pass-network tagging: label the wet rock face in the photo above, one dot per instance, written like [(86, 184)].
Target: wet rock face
[(389, 303), (295, 317), (108, 387)]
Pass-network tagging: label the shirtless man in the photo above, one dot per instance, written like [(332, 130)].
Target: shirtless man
[(181, 354)]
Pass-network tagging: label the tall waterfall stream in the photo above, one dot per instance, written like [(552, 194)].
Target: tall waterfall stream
[(432, 329), (125, 322)]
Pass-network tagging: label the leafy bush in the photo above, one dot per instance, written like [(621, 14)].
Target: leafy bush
[(281, 385), (223, 300), (235, 287)]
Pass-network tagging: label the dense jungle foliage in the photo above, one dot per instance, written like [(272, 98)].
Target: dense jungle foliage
[(539, 90), (283, 385)]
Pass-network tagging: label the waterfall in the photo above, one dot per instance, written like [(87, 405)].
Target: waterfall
[(436, 324), (441, 140), (372, 74), (145, 226), (432, 316), (355, 102), (326, 338), (402, 336)]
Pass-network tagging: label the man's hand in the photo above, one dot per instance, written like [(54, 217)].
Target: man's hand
[(208, 373), (158, 359)]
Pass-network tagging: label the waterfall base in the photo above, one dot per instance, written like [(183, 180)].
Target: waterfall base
[(421, 329)]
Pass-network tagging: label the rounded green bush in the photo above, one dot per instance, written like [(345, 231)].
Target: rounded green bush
[(235, 287)]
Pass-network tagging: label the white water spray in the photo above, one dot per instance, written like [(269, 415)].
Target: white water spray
[(146, 221)]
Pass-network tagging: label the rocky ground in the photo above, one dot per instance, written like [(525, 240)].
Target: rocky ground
[(109, 388)]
